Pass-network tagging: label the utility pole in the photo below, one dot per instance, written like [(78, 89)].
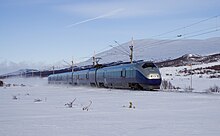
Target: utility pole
[(53, 70), (94, 59), (126, 52), (131, 49), (191, 88), (72, 70), (72, 67), (25, 74)]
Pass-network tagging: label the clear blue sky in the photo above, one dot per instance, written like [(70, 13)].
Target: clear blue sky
[(52, 30)]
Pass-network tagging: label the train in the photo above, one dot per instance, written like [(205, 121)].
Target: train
[(136, 76)]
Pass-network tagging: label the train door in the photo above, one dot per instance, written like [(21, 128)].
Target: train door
[(105, 80), (123, 81), (77, 79), (87, 78), (123, 73)]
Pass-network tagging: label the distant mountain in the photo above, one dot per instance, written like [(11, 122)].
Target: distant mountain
[(158, 50), (34, 73), (189, 59), (163, 52), (20, 72)]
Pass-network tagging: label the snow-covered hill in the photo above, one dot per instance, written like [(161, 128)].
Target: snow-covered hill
[(157, 50), (199, 77), (145, 49), (189, 59), (21, 72)]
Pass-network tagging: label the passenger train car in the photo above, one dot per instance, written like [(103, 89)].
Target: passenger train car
[(139, 75)]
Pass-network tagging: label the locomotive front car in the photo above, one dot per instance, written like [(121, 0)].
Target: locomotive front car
[(139, 75), (148, 75)]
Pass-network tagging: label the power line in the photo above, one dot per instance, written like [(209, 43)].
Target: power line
[(190, 25), (211, 31), (181, 28), (165, 41), (178, 39), (189, 35), (117, 49), (122, 47), (90, 56)]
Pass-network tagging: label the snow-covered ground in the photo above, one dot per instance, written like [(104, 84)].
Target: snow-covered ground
[(155, 113), (200, 82)]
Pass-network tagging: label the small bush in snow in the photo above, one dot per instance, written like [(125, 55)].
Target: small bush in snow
[(23, 85), (1, 83), (167, 85), (7, 85), (86, 108), (214, 89), (37, 100), (188, 89), (70, 104), (130, 105), (14, 97)]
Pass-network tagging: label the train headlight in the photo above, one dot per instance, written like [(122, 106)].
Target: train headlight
[(153, 76)]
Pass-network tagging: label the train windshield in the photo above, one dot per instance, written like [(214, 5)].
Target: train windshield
[(148, 65)]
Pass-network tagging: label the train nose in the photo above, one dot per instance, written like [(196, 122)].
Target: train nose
[(153, 76)]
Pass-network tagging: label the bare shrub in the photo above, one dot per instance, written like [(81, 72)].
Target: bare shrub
[(188, 89), (37, 100), (129, 106), (214, 89), (86, 108), (70, 104), (166, 85), (14, 97), (1, 83)]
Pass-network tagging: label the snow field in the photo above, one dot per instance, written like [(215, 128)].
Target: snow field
[(155, 113), (198, 84)]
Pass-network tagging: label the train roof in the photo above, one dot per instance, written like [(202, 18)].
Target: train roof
[(119, 63)]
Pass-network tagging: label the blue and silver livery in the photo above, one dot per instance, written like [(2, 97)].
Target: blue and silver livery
[(139, 75)]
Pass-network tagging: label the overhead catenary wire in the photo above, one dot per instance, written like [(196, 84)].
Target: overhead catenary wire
[(121, 50), (182, 28), (90, 56), (187, 26), (183, 36), (165, 42), (157, 43), (117, 49), (119, 45)]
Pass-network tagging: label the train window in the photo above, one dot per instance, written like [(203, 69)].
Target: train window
[(148, 65), (123, 73), (87, 76), (105, 74), (128, 73)]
